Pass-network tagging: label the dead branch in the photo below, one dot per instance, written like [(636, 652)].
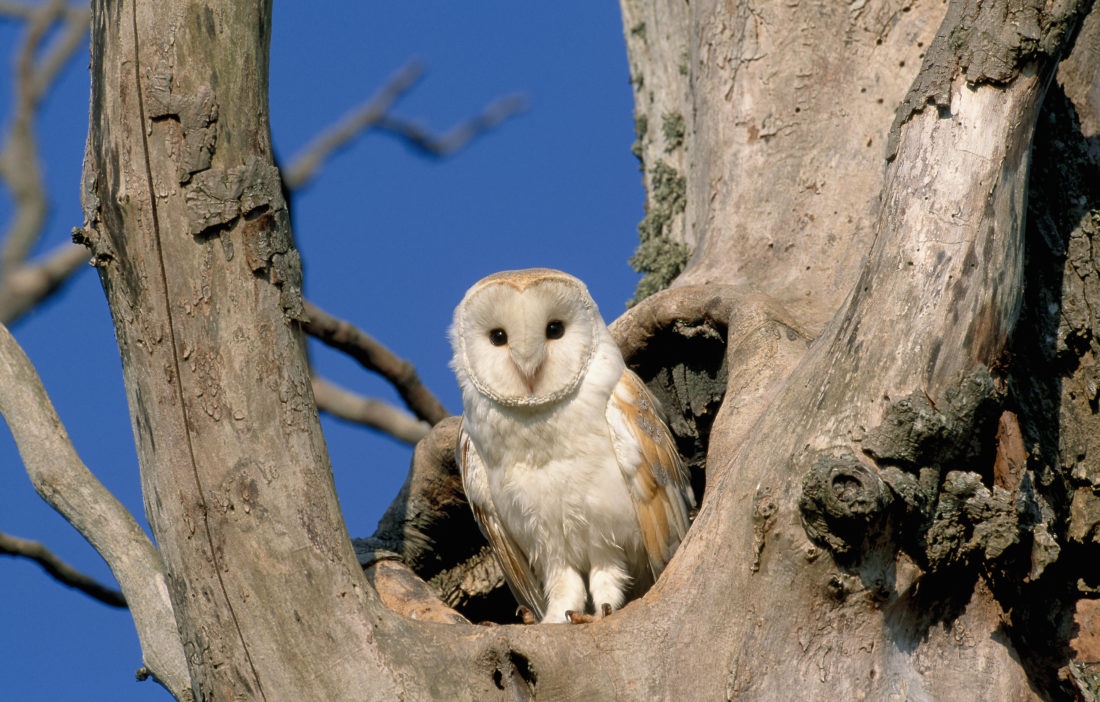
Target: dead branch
[(24, 10), (63, 480), (419, 524), (60, 570), (429, 529), (375, 113), (367, 411), (46, 68), (404, 592), (460, 135), (720, 305), (28, 285), (23, 286), (375, 357), (305, 164), (19, 162)]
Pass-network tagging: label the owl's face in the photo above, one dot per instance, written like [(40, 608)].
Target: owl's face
[(525, 338)]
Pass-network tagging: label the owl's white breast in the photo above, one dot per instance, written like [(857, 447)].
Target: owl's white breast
[(553, 472)]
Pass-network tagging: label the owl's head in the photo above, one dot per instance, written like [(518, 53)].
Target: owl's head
[(525, 338)]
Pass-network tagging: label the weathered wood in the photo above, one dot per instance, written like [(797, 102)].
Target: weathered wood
[(792, 104), (62, 479), (191, 237), (879, 206)]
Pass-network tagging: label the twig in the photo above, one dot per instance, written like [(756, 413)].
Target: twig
[(364, 410), (30, 284), (303, 167), (458, 136), (63, 480), (60, 570), (373, 356), (23, 286), (375, 113)]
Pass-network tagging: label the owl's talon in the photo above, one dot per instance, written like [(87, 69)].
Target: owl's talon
[(602, 611), (526, 615)]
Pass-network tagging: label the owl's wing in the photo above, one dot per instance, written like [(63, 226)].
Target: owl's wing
[(658, 480), (513, 561)]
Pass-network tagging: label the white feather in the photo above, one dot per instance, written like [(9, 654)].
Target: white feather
[(551, 462)]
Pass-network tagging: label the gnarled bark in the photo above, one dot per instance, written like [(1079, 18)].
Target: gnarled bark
[(854, 174)]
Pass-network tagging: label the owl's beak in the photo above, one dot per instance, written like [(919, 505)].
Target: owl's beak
[(528, 363)]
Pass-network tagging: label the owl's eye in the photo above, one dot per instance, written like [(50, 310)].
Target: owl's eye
[(498, 337), (555, 329)]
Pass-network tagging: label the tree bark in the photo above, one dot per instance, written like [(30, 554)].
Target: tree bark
[(188, 227), (855, 175)]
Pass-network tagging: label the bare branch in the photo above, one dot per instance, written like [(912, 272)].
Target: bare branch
[(30, 284), (375, 113), (404, 592), (303, 167), (16, 10), (365, 410), (373, 356), (19, 163), (60, 570), (458, 136), (76, 28), (24, 10), (22, 286), (63, 480)]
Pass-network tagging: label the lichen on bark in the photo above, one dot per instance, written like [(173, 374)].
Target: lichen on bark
[(641, 127), (672, 127), (659, 257)]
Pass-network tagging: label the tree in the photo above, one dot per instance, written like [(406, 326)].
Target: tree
[(899, 495)]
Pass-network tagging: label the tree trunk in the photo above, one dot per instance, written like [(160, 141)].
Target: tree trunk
[(855, 175), (191, 237)]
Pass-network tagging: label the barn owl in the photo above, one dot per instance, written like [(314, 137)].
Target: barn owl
[(571, 473)]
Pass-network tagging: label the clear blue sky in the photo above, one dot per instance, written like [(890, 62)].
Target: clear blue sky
[(390, 241)]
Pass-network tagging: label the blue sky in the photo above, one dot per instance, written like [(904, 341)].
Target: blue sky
[(390, 240)]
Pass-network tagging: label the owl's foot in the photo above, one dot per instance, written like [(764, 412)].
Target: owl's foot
[(582, 618), (526, 615)]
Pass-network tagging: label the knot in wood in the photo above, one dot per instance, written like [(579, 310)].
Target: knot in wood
[(842, 499), (849, 490)]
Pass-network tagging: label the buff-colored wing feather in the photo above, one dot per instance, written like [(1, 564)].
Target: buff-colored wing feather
[(513, 561), (658, 480)]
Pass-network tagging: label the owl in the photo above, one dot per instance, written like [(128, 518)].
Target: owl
[(570, 471)]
